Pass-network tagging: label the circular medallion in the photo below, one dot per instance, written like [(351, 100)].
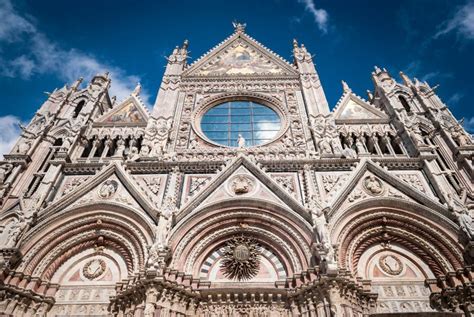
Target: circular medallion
[(241, 253), (391, 264), (107, 189), (94, 268), (241, 185), (373, 186)]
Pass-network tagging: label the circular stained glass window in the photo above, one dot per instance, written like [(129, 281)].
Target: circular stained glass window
[(240, 123)]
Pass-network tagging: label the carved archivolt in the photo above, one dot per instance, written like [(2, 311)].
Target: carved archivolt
[(202, 247), (199, 237), (46, 252), (361, 230)]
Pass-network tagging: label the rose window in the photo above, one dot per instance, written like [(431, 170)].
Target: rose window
[(240, 124)]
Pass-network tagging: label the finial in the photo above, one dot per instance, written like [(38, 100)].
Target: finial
[(405, 79), (377, 69), (137, 89), (239, 27), (185, 44), (77, 83), (345, 86), (107, 75), (295, 43), (370, 95)]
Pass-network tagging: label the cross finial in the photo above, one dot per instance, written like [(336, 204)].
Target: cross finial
[(239, 27)]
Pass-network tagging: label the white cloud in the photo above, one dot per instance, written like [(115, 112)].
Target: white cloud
[(462, 22), (429, 76), (10, 133), (469, 125), (12, 26), (321, 16), (46, 57), (454, 99)]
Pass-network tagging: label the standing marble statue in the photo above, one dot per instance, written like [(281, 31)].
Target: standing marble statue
[(240, 141), (465, 223), (5, 169), (162, 230), (120, 147), (349, 152), (320, 230)]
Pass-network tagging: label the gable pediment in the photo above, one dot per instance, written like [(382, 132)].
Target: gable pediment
[(240, 55), (111, 186), (242, 180), (353, 109), (129, 112), (370, 181)]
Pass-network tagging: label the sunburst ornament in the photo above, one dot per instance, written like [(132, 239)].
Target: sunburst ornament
[(241, 258)]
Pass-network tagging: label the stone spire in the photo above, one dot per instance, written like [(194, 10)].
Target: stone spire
[(311, 85), (137, 90)]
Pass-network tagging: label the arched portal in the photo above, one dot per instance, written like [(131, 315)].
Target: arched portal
[(198, 241), (396, 247), (75, 258)]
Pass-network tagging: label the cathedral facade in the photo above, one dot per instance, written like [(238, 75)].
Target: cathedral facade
[(239, 194)]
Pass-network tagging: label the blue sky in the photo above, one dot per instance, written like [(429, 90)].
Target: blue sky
[(44, 44)]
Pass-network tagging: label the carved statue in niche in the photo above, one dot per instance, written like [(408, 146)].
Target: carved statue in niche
[(459, 136), (349, 152), (108, 189), (465, 223), (373, 185), (133, 153), (5, 169), (413, 128), (120, 147), (360, 145)]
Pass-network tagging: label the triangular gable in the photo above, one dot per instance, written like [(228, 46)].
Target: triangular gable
[(225, 185), (351, 108), (363, 184), (94, 191), (130, 112), (240, 55)]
